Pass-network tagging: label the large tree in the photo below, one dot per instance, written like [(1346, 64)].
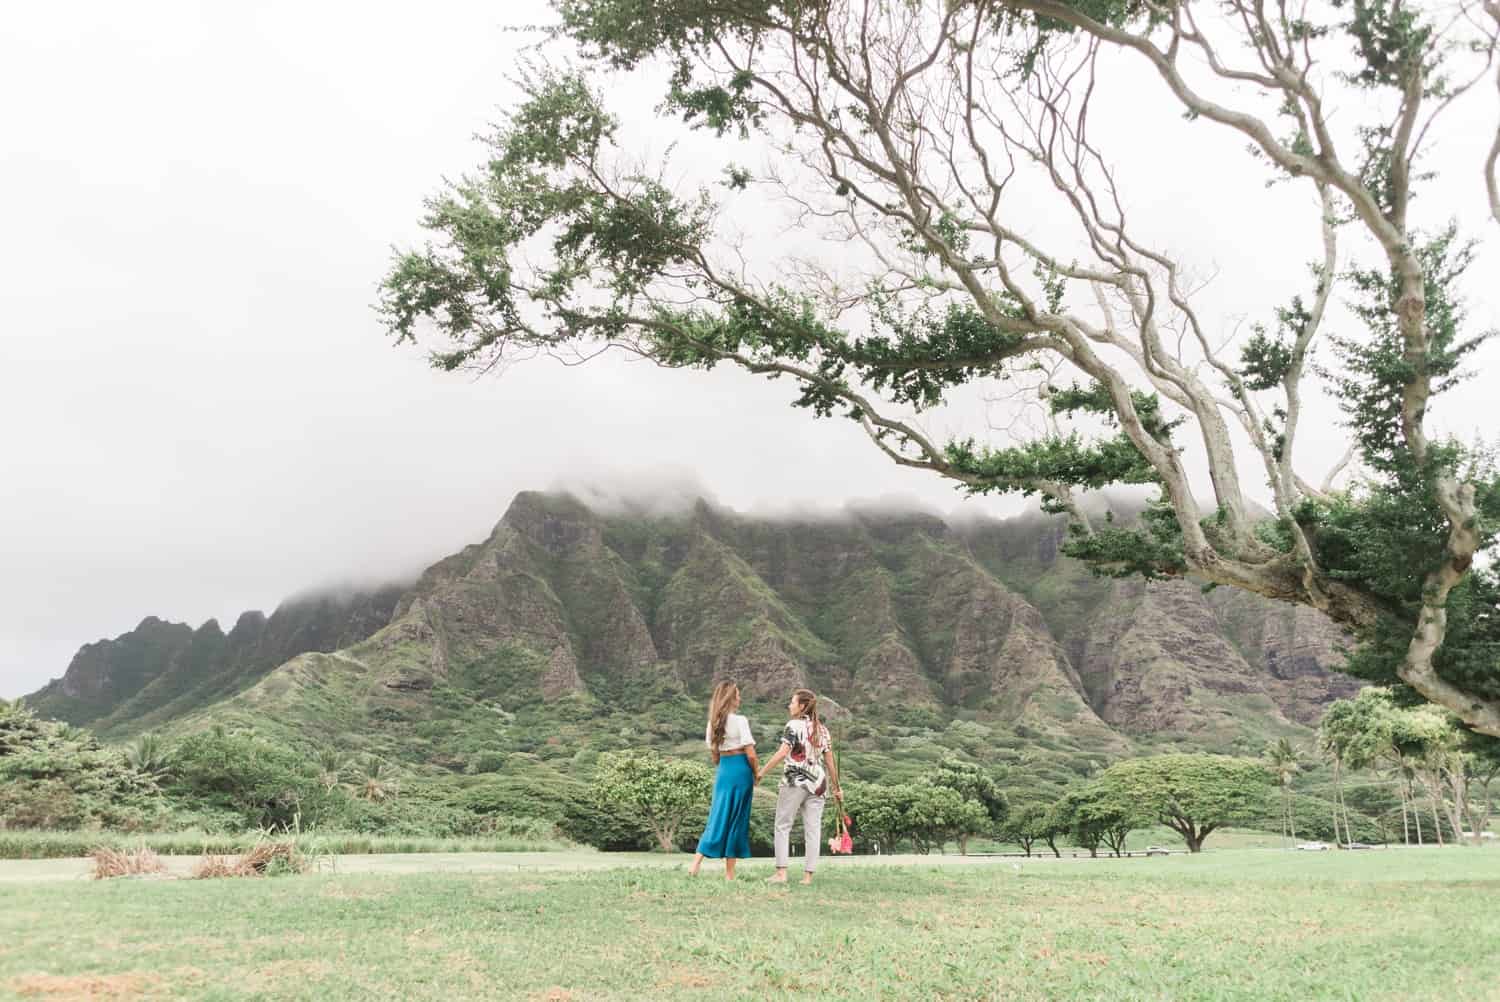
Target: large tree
[(930, 136), (1194, 795)]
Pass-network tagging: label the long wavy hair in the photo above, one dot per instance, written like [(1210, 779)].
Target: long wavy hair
[(720, 705), (807, 700)]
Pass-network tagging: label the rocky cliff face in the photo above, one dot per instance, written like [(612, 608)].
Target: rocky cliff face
[(1166, 658), (893, 616)]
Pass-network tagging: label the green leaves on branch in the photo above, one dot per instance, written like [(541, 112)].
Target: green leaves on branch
[(544, 182), (1152, 549), (1391, 40), (1379, 366), (1070, 460), (1067, 460), (912, 359), (624, 33)]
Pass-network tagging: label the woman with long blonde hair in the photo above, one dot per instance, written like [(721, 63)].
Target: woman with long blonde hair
[(731, 747), (810, 773)]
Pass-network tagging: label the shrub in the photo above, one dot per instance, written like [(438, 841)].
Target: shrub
[(54, 775), (661, 792), (267, 785), (485, 761)]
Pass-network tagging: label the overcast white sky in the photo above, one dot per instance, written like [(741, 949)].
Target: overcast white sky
[(198, 412)]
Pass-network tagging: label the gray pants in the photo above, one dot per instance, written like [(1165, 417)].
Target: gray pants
[(789, 801)]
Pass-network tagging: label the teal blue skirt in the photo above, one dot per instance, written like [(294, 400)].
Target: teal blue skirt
[(728, 831)]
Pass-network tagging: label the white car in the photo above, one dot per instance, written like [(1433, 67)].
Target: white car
[(1312, 847), (1156, 850)]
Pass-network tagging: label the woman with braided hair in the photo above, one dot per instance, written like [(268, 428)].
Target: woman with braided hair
[(809, 774)]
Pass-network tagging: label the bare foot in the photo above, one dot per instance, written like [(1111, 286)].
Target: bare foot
[(806, 879), (779, 878)]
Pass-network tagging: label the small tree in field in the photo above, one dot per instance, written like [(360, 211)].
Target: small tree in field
[(1070, 816), (977, 786), (662, 792), (923, 141), (1024, 825), (1111, 812), (1191, 794)]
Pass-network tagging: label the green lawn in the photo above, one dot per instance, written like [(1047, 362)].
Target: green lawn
[(72, 844), (1397, 925)]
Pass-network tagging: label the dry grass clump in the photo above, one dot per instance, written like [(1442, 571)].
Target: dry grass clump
[(276, 857), (210, 867), (266, 859), (110, 862)]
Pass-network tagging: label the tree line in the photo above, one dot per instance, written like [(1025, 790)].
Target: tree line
[(956, 801), (1443, 773)]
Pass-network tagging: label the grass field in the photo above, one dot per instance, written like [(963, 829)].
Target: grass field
[(68, 844), (1238, 924)]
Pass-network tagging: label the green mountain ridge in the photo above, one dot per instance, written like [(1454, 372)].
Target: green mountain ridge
[(569, 631), (160, 670)]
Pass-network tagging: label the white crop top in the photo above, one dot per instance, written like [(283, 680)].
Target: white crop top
[(736, 734)]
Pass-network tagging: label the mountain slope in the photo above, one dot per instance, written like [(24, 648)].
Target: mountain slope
[(160, 671), (568, 631)]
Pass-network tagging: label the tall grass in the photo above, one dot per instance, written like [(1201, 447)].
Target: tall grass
[(72, 844)]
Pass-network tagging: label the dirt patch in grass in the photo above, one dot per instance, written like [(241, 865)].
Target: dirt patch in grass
[(553, 995), (682, 977), (93, 986)]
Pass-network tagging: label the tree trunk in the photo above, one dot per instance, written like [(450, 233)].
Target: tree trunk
[(664, 838), (1416, 815), (1194, 841), (1338, 800), (1458, 783), (963, 845), (1405, 824)]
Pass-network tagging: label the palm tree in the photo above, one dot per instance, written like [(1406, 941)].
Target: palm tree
[(1333, 747), (1285, 761), (376, 780), (149, 755), (331, 766)]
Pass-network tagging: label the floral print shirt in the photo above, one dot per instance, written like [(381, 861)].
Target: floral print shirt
[(804, 762)]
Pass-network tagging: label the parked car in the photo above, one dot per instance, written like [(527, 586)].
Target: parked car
[(1359, 845), (1312, 847), (1156, 850)]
